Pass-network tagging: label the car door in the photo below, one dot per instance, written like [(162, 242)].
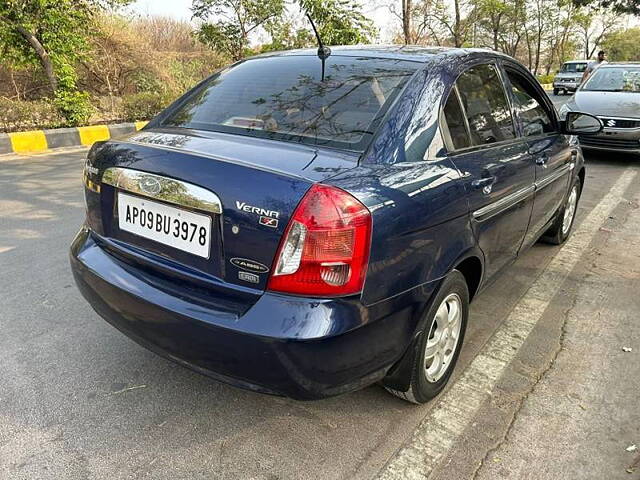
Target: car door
[(550, 151), (495, 162)]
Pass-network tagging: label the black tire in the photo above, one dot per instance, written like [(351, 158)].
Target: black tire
[(556, 234), (556, 91), (422, 389)]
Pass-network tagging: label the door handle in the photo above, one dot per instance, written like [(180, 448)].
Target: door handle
[(486, 184), (542, 160)]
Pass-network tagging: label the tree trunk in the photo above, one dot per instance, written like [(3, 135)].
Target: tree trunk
[(457, 26), (43, 56), (406, 21)]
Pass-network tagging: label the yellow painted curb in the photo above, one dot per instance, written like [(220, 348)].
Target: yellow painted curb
[(547, 86), (89, 135), (140, 125), (28, 142)]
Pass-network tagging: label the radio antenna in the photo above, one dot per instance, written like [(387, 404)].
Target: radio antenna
[(323, 52)]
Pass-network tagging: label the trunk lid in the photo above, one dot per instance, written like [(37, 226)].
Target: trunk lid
[(258, 183)]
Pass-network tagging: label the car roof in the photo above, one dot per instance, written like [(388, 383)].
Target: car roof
[(620, 64), (414, 53), (578, 61)]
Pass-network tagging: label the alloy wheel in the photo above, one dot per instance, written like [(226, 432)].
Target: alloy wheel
[(443, 338), (570, 210)]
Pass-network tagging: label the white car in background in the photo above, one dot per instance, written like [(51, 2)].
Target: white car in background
[(569, 77), (611, 93)]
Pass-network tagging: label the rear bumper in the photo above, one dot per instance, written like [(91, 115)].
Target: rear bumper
[(291, 346)]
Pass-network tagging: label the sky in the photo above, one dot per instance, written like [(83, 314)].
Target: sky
[(180, 9)]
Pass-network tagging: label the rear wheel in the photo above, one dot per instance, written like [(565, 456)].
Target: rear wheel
[(556, 91), (561, 228), (439, 342)]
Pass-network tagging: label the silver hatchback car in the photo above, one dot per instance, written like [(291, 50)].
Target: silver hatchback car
[(611, 93)]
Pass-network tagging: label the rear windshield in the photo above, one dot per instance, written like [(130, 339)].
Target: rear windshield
[(614, 79), (286, 98), (574, 67)]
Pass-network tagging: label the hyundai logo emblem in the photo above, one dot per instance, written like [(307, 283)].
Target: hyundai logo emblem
[(611, 123), (149, 185)]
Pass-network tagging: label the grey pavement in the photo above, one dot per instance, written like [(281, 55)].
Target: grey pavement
[(78, 400)]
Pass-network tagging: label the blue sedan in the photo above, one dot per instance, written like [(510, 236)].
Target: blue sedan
[(305, 225)]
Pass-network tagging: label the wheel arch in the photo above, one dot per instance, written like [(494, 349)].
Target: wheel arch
[(471, 268), (581, 176)]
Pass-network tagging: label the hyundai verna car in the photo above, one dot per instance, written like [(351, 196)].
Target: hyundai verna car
[(306, 227), (612, 93)]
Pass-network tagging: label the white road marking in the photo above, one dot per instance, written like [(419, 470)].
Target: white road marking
[(455, 411)]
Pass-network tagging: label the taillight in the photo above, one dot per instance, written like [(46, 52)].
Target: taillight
[(325, 248)]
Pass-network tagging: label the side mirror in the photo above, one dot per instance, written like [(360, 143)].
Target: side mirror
[(581, 123)]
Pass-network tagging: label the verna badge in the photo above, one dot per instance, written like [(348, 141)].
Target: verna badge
[(268, 218)]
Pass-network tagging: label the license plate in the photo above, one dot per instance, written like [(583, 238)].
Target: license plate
[(178, 228)]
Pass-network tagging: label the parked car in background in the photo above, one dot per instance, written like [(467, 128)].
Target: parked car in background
[(612, 93), (569, 76), (306, 225)]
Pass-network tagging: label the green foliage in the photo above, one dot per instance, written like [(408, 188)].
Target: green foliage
[(224, 36), (16, 115), (623, 45), (59, 25), (74, 106), (285, 36), (185, 73), (340, 22), (54, 34), (228, 23), (631, 7), (145, 105), (544, 79)]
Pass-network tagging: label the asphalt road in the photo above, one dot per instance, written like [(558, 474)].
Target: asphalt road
[(79, 400)]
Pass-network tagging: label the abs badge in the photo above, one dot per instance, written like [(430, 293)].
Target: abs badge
[(249, 265)]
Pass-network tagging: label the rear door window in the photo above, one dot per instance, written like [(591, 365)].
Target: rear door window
[(485, 103), (455, 122), (531, 110)]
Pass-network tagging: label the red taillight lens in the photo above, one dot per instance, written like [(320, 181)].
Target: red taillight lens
[(325, 249)]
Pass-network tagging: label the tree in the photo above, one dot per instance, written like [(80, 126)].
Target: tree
[(631, 7), (593, 25), (406, 20), (622, 46), (405, 16), (233, 21), (435, 21), (52, 33), (340, 22), (286, 35), (490, 14)]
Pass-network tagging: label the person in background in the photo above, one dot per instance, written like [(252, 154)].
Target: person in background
[(602, 58)]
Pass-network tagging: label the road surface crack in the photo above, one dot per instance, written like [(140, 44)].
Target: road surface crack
[(538, 378)]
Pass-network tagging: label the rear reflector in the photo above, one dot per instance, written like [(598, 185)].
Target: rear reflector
[(325, 249)]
